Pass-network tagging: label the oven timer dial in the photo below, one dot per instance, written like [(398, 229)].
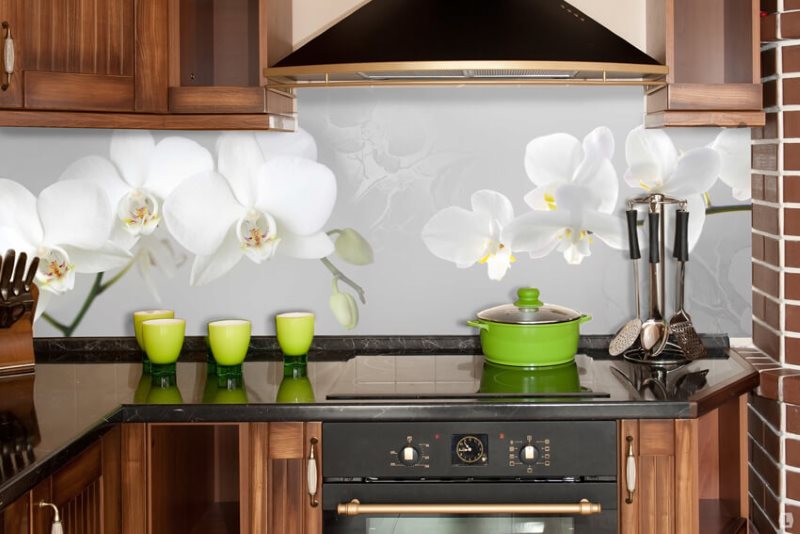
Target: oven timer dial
[(408, 455), (529, 454), (470, 450)]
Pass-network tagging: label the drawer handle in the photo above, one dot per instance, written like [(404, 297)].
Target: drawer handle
[(8, 55), (630, 471), (311, 473), (354, 507), (57, 528)]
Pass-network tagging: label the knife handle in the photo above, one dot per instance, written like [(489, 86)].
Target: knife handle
[(654, 220), (633, 236)]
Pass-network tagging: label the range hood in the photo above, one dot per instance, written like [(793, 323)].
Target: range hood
[(423, 42)]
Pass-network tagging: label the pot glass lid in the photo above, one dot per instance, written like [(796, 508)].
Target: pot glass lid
[(528, 309)]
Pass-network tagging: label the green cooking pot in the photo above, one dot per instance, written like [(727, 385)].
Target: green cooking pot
[(529, 333)]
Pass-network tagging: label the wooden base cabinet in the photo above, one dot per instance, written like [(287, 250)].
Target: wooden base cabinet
[(221, 478), (687, 476)]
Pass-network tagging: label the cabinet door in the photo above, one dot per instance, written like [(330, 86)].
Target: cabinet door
[(86, 491), (281, 500), (15, 518), (75, 55)]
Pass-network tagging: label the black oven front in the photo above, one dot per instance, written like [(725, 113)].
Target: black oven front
[(546, 477)]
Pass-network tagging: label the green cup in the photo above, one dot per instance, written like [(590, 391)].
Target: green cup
[(163, 340), (229, 340), (146, 315), (295, 332)]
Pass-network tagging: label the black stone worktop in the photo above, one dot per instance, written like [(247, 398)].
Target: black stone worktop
[(61, 408)]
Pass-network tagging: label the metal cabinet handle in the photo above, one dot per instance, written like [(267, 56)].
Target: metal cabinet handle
[(630, 471), (57, 528), (311, 473), (354, 507), (8, 55)]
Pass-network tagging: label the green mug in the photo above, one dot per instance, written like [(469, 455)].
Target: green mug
[(295, 332), (146, 315), (163, 339), (229, 341)]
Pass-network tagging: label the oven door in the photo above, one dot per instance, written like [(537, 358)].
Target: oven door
[(474, 507)]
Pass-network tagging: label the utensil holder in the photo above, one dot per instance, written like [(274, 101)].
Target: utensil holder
[(18, 299)]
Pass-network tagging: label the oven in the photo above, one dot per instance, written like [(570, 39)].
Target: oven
[(548, 477)]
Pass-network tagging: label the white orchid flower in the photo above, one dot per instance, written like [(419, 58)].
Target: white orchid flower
[(153, 251), (466, 237), (560, 159), (139, 176), (298, 143), (733, 146), (655, 166), (569, 229), (67, 227), (251, 206)]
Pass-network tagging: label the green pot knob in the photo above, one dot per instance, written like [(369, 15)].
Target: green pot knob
[(528, 297)]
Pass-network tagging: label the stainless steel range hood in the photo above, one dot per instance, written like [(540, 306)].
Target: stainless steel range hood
[(440, 42)]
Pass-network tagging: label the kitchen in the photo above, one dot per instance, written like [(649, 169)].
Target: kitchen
[(400, 155)]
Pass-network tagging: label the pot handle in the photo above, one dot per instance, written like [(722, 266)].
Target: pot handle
[(479, 324), (585, 318)]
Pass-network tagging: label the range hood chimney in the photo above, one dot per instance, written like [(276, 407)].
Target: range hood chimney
[(440, 42)]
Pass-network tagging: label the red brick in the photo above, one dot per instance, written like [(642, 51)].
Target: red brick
[(771, 188), (765, 156), (766, 279), (769, 342), (757, 186), (791, 350), (791, 122), (791, 91), (772, 251), (790, 24), (790, 384), (791, 188), (791, 251), (768, 65), (769, 27), (766, 408), (757, 246), (793, 452), (770, 91), (792, 485), (793, 418), (766, 468), (791, 285)]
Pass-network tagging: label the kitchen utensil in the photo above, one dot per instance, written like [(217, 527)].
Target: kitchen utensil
[(529, 333), (654, 329), (629, 333), (680, 325)]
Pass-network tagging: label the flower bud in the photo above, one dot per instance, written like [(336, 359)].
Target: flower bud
[(344, 307), (353, 248)]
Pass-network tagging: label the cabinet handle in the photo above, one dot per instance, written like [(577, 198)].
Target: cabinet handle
[(630, 471), (311, 472), (57, 528), (354, 507), (8, 55)]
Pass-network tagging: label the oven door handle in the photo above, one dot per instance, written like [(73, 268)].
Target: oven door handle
[(354, 507)]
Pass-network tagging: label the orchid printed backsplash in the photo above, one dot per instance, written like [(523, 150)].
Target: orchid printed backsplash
[(364, 215)]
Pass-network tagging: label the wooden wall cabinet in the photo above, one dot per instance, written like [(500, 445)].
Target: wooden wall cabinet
[(220, 478), (690, 473), (712, 49), (158, 64)]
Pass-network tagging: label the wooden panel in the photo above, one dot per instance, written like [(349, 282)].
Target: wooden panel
[(276, 42), (660, 33), (286, 495), (67, 119), (656, 437), (41, 518), (15, 518), (217, 100), (312, 522), (725, 119), (259, 472), (708, 452), (152, 65), (732, 476), (12, 11), (686, 489), (67, 91), (699, 41), (285, 440), (82, 36), (71, 479), (697, 96), (739, 38), (83, 513), (112, 483), (628, 512), (134, 478)]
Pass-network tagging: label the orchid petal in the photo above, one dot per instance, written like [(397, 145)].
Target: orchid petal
[(131, 151), (105, 258), (75, 213), (18, 210), (696, 205), (121, 237), (207, 268), (239, 159), (11, 239), (175, 159), (312, 247), (146, 272), (651, 157), (610, 229), (41, 303), (159, 252), (542, 198), (499, 263), (493, 205), (733, 146), (101, 172), (201, 211), (457, 235), (536, 232), (604, 184), (696, 172), (552, 158), (599, 143), (299, 193), (298, 143)]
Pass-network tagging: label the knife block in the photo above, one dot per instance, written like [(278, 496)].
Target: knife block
[(16, 342)]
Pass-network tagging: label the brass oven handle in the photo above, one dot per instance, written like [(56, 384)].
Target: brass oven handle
[(311, 473), (630, 471), (354, 507)]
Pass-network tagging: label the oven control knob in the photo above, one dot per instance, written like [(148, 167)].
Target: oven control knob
[(529, 454), (408, 455)]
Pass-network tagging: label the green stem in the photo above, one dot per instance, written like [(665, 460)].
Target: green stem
[(729, 208), (341, 276), (117, 276)]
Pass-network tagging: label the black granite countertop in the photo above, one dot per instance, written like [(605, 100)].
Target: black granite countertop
[(48, 417)]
